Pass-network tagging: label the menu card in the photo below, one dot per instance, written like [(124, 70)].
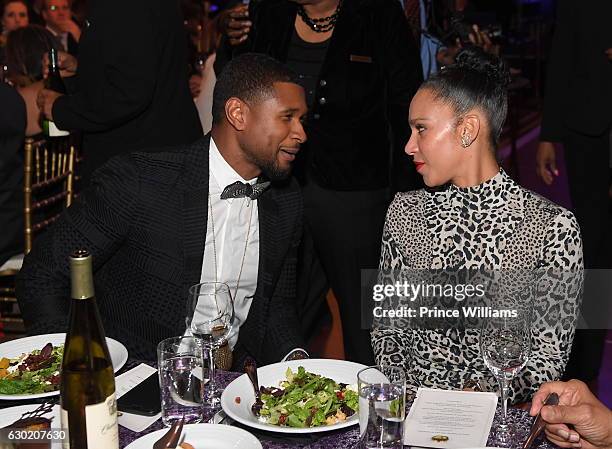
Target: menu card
[(449, 419)]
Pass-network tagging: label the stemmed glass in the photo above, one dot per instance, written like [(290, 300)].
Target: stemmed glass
[(210, 317), (505, 345)]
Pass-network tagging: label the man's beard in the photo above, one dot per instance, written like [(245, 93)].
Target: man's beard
[(269, 167)]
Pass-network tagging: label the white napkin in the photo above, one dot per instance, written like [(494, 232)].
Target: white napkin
[(124, 383)]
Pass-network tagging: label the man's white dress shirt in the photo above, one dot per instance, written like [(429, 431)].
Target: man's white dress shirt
[(231, 222)]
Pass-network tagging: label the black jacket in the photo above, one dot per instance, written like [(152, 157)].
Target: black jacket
[(579, 79), (370, 73), (12, 131), (131, 90), (144, 221)]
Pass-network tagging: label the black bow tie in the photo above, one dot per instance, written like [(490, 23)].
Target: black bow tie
[(241, 190)]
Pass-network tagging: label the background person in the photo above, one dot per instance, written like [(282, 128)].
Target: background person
[(131, 90)]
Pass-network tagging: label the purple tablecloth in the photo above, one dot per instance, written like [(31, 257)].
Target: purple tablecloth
[(340, 439)]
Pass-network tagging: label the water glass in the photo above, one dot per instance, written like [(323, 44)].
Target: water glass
[(382, 407), (180, 370)]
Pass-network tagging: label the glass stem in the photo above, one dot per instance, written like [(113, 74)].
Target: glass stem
[(504, 387), (212, 384)]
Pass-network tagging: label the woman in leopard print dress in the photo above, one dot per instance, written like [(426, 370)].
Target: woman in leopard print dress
[(477, 217)]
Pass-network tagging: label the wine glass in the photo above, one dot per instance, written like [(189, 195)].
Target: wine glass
[(210, 317), (505, 345)]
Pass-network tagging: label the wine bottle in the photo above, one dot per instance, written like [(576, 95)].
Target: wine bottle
[(87, 388), (54, 82)]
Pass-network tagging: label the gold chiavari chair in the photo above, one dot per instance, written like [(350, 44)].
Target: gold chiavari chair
[(49, 167), (48, 183)]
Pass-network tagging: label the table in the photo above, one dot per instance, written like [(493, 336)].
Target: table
[(340, 439)]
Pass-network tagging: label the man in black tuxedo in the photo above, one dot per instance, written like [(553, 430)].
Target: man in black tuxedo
[(129, 90), (360, 67), (158, 223), (578, 113)]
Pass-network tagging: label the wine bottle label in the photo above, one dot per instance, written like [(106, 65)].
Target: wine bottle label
[(101, 422), (52, 130)]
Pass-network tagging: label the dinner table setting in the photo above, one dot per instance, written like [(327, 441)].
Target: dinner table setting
[(184, 401)]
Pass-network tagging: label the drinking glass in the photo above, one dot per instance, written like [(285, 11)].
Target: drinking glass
[(210, 317), (179, 366), (382, 407), (505, 344)]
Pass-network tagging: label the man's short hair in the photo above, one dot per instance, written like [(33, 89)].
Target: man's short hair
[(249, 77)]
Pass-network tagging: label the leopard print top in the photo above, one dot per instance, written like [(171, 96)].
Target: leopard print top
[(497, 225)]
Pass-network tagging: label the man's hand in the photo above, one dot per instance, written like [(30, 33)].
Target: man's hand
[(235, 25), (579, 421), (45, 100), (70, 26), (546, 162), (67, 63)]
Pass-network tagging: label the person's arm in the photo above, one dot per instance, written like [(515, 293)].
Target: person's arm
[(554, 322), (98, 222), (557, 84), (579, 421), (128, 65), (236, 25), (559, 70), (404, 75)]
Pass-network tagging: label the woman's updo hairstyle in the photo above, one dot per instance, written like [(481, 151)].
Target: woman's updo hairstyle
[(476, 80)]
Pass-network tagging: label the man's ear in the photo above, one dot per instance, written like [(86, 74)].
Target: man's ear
[(468, 129), (236, 113)]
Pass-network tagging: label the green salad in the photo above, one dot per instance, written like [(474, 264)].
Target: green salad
[(32, 373), (308, 400)]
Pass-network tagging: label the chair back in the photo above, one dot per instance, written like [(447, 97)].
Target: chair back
[(48, 183)]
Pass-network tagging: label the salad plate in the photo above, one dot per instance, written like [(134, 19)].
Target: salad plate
[(16, 348), (238, 396), (204, 436)]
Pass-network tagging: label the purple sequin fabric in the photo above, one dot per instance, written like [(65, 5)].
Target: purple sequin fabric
[(341, 439)]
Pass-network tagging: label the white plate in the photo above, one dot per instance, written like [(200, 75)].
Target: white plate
[(15, 348), (339, 370), (204, 436)]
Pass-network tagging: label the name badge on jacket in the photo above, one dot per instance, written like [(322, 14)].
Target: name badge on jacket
[(361, 58)]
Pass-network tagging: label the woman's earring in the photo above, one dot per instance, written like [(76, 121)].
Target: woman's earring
[(466, 140)]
